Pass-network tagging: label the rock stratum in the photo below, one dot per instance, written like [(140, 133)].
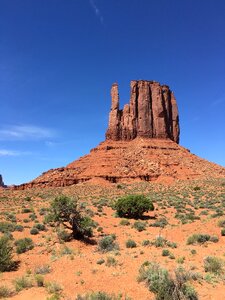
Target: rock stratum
[(151, 113), (141, 145)]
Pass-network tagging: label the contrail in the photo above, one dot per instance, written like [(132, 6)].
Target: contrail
[(96, 11)]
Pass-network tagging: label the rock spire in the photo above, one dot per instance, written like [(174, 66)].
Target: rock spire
[(151, 113)]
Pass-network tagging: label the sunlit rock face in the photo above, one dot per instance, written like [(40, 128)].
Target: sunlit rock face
[(151, 113)]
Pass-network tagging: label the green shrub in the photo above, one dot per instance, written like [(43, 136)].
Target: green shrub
[(7, 227), (53, 287), (39, 280), (63, 235), (6, 256), (131, 244), (100, 261), (124, 222), (213, 264), (139, 226), (165, 286), (26, 210), (33, 216), (107, 243), (19, 228), (214, 239), (146, 243), (198, 238), (221, 223), (165, 252), (34, 231), (223, 231), (160, 223), (44, 269), (99, 296), (64, 211), (110, 261), (160, 241), (133, 206), (24, 245), (23, 282), (40, 227), (5, 292)]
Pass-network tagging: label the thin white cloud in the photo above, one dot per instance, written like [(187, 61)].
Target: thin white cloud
[(25, 132), (96, 11), (218, 101), (5, 152)]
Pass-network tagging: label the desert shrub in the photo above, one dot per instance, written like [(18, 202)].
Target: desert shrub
[(107, 243), (124, 222), (33, 216), (64, 211), (7, 227), (53, 287), (19, 227), (214, 239), (44, 269), (131, 244), (40, 227), (197, 188), (110, 261), (198, 238), (63, 235), (11, 217), (23, 282), (133, 206), (24, 245), (100, 229), (39, 280), (43, 211), (160, 241), (139, 226), (165, 286), (160, 223), (34, 231), (221, 223), (100, 261), (213, 264), (180, 260), (5, 292), (99, 296), (6, 256), (146, 243), (28, 198), (26, 210), (165, 252), (223, 231)]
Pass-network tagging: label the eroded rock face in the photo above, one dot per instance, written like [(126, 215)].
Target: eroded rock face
[(1, 181), (151, 113)]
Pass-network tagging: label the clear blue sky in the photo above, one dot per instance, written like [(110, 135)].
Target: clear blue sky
[(59, 58)]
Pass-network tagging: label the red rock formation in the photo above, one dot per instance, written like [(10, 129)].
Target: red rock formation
[(151, 113), (141, 159), (141, 144), (1, 181)]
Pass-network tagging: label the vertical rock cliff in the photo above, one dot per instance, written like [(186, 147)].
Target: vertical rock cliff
[(151, 113)]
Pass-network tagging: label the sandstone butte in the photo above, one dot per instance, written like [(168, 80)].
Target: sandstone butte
[(1, 182), (142, 144)]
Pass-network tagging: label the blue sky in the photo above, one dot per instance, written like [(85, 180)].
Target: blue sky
[(59, 58)]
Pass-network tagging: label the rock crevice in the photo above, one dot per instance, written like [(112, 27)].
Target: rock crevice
[(151, 113)]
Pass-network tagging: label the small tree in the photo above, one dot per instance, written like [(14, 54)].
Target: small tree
[(6, 249), (64, 211), (133, 206)]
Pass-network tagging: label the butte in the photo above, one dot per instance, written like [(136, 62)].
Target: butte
[(142, 144)]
